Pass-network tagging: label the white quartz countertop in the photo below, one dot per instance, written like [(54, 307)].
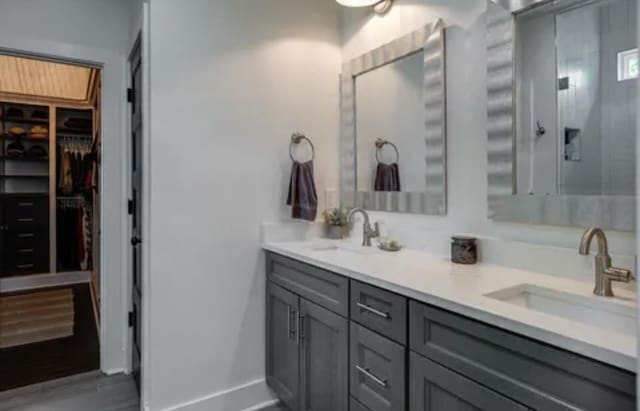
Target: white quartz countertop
[(433, 279)]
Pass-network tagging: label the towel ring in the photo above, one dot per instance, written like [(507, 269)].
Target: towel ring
[(381, 143), (297, 138)]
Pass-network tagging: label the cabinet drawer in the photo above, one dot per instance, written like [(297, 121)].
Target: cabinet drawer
[(380, 310), (354, 405), (26, 207), (25, 265), (533, 373), (436, 388), (25, 214), (377, 370), (322, 287), (15, 242)]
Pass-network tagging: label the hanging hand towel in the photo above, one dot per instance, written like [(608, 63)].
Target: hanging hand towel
[(387, 177), (302, 197)]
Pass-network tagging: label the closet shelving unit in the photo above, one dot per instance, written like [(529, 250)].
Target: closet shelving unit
[(33, 184), (74, 204), (24, 192)]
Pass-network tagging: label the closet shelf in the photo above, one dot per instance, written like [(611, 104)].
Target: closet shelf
[(24, 176), (77, 131), (25, 159), (27, 139), (24, 194), (24, 120)]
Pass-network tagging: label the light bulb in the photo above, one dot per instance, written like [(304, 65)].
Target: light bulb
[(358, 3)]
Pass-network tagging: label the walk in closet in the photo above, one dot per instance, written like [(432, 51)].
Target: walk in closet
[(49, 220), (48, 184)]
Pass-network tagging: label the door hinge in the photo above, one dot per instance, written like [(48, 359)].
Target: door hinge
[(130, 95), (130, 207), (132, 319)]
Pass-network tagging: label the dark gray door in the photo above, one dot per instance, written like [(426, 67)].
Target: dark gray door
[(436, 388), (135, 207), (3, 229), (377, 370), (324, 340), (283, 360)]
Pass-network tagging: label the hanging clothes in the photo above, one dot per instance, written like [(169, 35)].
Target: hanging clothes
[(76, 171), (74, 237), (76, 180)]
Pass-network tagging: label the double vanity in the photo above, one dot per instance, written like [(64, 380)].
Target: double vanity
[(355, 328)]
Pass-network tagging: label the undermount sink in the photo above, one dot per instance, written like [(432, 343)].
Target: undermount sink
[(343, 246), (591, 311)]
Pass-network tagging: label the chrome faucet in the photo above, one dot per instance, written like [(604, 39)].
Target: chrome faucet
[(367, 232), (605, 273)]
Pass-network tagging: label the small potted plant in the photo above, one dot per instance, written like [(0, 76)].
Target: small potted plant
[(336, 224)]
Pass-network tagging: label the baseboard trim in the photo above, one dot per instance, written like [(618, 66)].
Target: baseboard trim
[(267, 405), (252, 396)]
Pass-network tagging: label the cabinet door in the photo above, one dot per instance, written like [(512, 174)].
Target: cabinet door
[(436, 388), (377, 370), (282, 345), (324, 339), (2, 239)]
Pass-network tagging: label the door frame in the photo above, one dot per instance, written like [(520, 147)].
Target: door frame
[(139, 48), (141, 34), (114, 344)]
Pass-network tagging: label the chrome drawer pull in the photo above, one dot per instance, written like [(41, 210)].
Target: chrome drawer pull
[(26, 235), (367, 373), (26, 250), (26, 204), (373, 311), (26, 220), (25, 266), (291, 332)]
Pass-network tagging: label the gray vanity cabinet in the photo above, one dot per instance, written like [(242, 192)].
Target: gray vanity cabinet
[(322, 287), (436, 388), (335, 344), (324, 338), (307, 344), (379, 310), (537, 375), (283, 359), (378, 370)]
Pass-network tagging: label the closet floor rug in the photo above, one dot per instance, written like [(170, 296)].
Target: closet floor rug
[(55, 336), (36, 317)]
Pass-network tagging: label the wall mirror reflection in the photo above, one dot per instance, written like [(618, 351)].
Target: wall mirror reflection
[(576, 66), (393, 126), (390, 127), (562, 125)]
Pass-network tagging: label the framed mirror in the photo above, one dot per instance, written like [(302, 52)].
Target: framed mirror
[(393, 126), (562, 112)]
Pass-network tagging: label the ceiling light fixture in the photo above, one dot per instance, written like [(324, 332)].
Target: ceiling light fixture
[(379, 6)]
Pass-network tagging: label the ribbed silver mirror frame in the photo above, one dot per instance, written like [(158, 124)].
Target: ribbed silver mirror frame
[(433, 200), (609, 212)]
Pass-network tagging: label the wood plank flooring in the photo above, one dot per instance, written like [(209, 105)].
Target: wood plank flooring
[(86, 392)]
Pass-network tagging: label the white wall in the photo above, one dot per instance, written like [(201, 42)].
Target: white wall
[(93, 23), (97, 31), (230, 81), (467, 121)]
